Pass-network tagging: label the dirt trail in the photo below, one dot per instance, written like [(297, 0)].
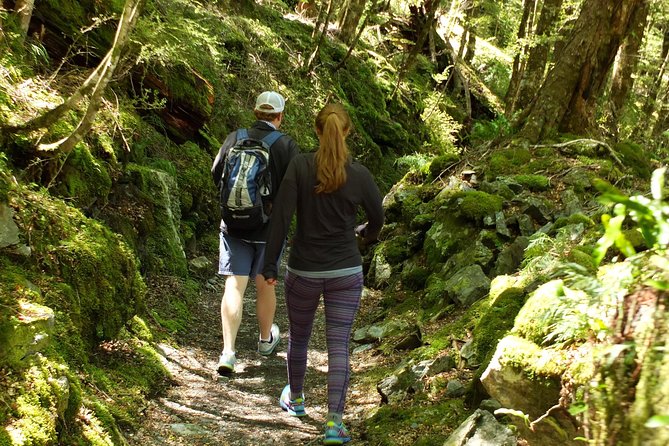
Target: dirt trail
[(203, 409)]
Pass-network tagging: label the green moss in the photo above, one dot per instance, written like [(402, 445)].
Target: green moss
[(474, 205), (437, 421), (421, 222), (634, 157), (506, 162), (535, 362), (440, 163), (582, 257), (163, 246), (573, 219), (535, 183), (95, 263), (86, 180), (497, 320), (414, 277)]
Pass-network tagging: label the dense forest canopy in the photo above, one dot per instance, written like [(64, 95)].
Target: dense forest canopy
[(522, 146)]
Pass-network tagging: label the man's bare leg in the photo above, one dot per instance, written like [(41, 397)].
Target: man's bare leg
[(231, 310)]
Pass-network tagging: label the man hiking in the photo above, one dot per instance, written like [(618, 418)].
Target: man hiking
[(248, 170)]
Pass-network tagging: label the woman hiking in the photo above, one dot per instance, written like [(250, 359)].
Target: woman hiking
[(325, 189)]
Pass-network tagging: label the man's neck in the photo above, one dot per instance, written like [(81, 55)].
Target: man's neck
[(271, 124)]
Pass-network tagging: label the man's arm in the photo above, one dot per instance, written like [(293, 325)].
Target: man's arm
[(218, 165)]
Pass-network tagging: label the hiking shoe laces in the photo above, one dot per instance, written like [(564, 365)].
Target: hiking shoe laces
[(293, 407), (266, 348), (226, 363), (336, 433)]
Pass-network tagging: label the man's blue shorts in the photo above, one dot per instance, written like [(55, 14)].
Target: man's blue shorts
[(239, 257)]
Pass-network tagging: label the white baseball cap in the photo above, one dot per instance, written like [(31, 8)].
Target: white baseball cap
[(270, 101)]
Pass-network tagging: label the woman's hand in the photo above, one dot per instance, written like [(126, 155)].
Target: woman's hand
[(271, 281)]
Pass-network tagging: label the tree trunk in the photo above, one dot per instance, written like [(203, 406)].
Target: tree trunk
[(126, 24), (319, 41), (655, 102), (353, 44), (516, 72), (321, 17), (567, 99), (348, 23), (538, 55), (662, 123), (24, 12), (628, 58)]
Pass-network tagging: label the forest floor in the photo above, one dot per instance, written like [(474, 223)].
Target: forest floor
[(202, 408)]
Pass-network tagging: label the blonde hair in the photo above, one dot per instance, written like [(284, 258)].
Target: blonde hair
[(332, 157)]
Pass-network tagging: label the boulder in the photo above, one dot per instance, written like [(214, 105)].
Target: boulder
[(467, 285), (9, 232), (481, 429)]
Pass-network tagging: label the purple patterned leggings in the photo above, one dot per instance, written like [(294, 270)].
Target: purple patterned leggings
[(341, 296)]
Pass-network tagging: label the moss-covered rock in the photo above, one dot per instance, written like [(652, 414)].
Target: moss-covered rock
[(475, 205), (101, 285), (535, 183), (635, 158), (497, 320), (163, 246), (505, 162), (84, 178)]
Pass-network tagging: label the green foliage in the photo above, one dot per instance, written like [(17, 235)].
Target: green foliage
[(443, 129), (650, 214), (495, 73), (416, 162), (490, 130)]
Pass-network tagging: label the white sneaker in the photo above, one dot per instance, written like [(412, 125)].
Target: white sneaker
[(267, 347), (226, 363)]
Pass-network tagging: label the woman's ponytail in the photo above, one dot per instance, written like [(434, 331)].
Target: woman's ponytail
[(332, 125)]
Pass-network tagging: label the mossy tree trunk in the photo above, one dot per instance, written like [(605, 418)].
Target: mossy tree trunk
[(539, 54), (567, 99), (361, 29)]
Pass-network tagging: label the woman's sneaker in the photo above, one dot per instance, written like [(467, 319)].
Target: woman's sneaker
[(266, 348), (293, 407), (336, 433)]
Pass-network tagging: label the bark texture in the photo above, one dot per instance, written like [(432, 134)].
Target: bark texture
[(539, 54), (518, 64), (567, 99), (350, 18), (628, 58)]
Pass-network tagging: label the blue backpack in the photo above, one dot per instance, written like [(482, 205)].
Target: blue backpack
[(246, 183)]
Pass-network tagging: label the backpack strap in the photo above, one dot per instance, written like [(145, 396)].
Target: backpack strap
[(242, 134), (272, 137)]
